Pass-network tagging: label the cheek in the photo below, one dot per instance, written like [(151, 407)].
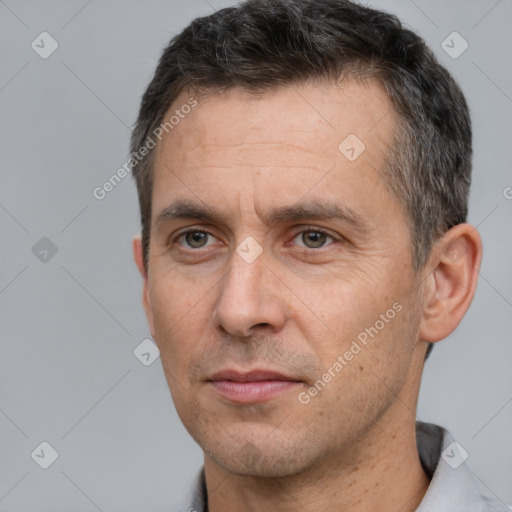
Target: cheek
[(175, 312), (366, 366), (344, 307), (363, 320)]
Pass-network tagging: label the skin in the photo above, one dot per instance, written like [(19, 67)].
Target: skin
[(301, 303)]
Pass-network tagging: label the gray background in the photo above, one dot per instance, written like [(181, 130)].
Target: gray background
[(70, 324)]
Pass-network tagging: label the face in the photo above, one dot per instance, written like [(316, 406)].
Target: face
[(280, 274)]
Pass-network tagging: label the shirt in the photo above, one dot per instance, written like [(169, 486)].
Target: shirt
[(452, 488)]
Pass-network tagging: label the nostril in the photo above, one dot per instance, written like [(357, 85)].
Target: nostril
[(262, 325)]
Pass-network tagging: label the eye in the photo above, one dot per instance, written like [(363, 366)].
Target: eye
[(194, 239), (313, 238)]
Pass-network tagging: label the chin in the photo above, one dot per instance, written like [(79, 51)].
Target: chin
[(263, 460)]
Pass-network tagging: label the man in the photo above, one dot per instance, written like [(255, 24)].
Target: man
[(303, 171)]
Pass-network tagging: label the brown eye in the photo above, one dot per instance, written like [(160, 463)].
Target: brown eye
[(312, 238), (194, 239)]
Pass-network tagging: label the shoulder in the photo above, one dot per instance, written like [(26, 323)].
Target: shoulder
[(453, 486), (492, 505)]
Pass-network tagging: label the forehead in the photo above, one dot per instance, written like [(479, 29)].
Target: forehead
[(293, 135), (314, 114)]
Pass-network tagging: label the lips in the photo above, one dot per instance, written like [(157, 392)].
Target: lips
[(255, 386), (252, 376)]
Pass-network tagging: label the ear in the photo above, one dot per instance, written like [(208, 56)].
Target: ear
[(450, 286), (146, 301)]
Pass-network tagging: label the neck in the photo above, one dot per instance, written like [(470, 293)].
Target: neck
[(384, 473)]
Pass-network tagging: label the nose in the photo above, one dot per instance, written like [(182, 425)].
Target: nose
[(249, 298)]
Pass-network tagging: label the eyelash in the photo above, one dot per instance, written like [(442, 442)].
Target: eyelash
[(304, 230)]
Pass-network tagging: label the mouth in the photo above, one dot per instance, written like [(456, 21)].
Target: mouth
[(255, 386)]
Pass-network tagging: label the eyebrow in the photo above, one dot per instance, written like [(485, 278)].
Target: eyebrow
[(311, 210)]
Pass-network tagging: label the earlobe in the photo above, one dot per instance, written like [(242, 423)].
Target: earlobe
[(451, 285), (139, 261)]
